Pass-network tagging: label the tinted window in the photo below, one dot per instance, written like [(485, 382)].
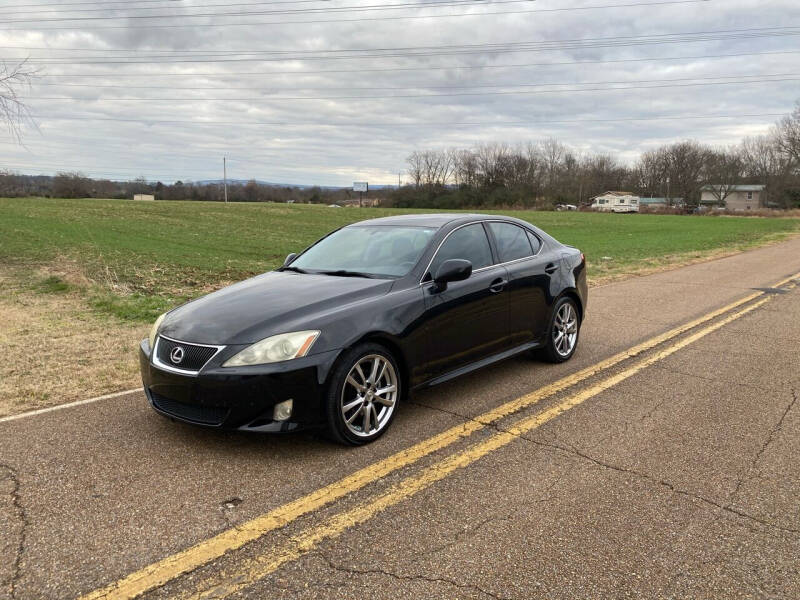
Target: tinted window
[(512, 241), (468, 243), (378, 250), (535, 242)]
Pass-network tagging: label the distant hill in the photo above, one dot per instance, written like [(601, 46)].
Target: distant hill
[(299, 186)]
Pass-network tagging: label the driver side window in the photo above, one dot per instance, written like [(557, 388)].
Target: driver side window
[(468, 243)]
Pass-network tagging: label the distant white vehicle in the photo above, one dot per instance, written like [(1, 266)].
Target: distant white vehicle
[(334, 206), (619, 202), (562, 207)]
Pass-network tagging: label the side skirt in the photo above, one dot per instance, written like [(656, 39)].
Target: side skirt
[(485, 362)]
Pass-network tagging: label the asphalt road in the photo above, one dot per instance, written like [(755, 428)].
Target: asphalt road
[(661, 462)]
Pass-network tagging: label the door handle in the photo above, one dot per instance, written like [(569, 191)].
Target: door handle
[(551, 268), (498, 285)]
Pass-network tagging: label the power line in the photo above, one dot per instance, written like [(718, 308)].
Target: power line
[(420, 86), (357, 20), (398, 69), (766, 77), (95, 3), (128, 6), (454, 50), (504, 45), (313, 10), (147, 121)]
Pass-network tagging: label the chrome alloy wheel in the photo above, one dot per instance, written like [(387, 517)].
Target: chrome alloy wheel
[(369, 395), (565, 329)]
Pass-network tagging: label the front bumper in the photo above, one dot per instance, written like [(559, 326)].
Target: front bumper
[(242, 397)]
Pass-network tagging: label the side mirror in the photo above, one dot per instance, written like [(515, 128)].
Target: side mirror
[(454, 269), (289, 258)]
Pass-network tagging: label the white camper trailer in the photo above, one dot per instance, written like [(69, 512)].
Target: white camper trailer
[(619, 202)]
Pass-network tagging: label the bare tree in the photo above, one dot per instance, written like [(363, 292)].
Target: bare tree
[(437, 167), (764, 161), (789, 135), (415, 167), (12, 108), (72, 185), (723, 172), (552, 152), (465, 166), (536, 169), (491, 160), (686, 162), (651, 173)]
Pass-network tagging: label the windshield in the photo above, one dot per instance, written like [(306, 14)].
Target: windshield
[(372, 250)]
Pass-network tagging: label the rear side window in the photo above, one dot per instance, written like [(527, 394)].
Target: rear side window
[(536, 243), (512, 241), (468, 243)]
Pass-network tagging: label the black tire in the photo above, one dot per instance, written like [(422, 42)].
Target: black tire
[(551, 352), (339, 387)]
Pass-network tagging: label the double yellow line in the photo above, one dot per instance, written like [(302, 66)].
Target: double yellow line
[(226, 583)]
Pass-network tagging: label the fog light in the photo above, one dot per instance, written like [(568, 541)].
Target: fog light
[(282, 410)]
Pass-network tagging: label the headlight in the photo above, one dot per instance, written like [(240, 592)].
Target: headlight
[(284, 346), (154, 331)]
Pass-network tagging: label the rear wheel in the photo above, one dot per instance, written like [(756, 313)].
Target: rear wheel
[(563, 332), (362, 395)]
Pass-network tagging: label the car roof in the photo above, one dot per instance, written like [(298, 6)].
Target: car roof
[(436, 220)]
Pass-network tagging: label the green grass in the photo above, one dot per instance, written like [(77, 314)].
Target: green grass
[(141, 258), (52, 284)]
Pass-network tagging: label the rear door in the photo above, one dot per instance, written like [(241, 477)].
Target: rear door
[(530, 271), (469, 320)]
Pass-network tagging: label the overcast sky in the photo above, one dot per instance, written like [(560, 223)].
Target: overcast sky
[(313, 91)]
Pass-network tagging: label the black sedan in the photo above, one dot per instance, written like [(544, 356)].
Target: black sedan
[(339, 335)]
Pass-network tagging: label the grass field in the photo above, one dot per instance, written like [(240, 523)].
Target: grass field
[(134, 260), (81, 280)]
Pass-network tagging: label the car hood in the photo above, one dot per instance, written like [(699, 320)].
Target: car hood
[(276, 302)]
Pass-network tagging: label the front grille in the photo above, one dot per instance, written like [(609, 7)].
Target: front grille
[(205, 415), (193, 358)]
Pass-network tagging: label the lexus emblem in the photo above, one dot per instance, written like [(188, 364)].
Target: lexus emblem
[(176, 355)]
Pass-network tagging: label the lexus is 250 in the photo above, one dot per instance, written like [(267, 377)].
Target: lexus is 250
[(340, 334)]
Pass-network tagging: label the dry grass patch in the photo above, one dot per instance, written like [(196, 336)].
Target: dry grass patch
[(57, 349)]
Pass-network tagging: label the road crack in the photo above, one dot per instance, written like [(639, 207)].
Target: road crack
[(773, 432), (468, 532), (721, 380), (19, 509), (446, 411), (727, 508), (403, 577)]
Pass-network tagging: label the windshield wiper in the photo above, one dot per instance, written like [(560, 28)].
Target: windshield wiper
[(295, 269), (345, 273)]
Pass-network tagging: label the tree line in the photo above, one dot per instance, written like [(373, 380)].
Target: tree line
[(78, 185), (548, 172), (536, 175)]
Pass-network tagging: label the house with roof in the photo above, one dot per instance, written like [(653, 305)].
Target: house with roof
[(739, 197)]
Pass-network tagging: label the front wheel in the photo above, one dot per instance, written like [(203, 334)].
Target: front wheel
[(362, 395), (563, 332)]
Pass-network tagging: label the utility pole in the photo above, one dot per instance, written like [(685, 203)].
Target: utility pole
[(398, 179), (225, 176)]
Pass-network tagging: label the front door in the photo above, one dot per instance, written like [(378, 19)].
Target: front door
[(467, 321)]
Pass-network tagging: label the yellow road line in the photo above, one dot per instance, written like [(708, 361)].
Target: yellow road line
[(170, 567), (226, 583)]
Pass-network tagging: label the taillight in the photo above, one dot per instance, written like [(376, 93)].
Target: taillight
[(583, 258)]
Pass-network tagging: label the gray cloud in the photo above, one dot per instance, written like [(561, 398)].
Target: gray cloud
[(101, 132)]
